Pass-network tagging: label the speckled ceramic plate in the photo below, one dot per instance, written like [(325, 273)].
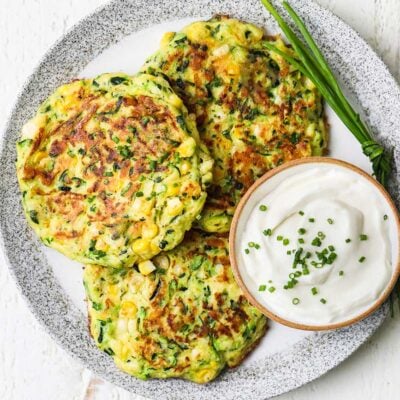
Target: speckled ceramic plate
[(119, 37)]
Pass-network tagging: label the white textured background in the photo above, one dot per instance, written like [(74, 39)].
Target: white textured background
[(32, 367)]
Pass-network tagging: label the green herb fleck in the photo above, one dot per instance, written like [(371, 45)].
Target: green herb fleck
[(271, 289), (330, 221), (363, 237), (263, 207), (267, 232), (262, 288), (362, 259), (301, 231), (348, 240), (323, 301), (314, 291), (296, 301)]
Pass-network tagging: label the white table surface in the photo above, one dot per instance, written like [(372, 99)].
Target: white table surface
[(32, 366)]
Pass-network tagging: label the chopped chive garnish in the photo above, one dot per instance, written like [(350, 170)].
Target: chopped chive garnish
[(279, 238), (316, 242), (271, 289), (289, 252), (363, 237), (311, 219), (292, 275), (314, 291), (301, 212), (385, 217), (341, 273), (262, 288), (348, 240), (285, 242), (263, 207), (301, 240), (323, 301), (330, 221), (361, 259), (331, 248), (256, 246), (247, 251), (251, 244), (321, 235), (301, 231), (296, 301), (270, 281), (267, 232)]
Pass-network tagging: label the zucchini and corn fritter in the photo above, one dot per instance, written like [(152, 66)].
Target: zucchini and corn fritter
[(187, 319), (254, 111), (111, 170)]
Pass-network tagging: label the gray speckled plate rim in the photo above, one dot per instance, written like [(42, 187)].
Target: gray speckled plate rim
[(306, 360)]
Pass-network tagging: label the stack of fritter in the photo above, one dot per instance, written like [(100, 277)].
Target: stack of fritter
[(114, 170)]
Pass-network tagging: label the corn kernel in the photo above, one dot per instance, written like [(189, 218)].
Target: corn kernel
[(174, 206), (146, 267), (185, 167), (187, 148), (128, 310), (141, 246), (149, 231)]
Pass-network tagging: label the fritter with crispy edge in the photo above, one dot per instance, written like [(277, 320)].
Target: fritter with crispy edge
[(254, 111), (111, 171), (187, 318)]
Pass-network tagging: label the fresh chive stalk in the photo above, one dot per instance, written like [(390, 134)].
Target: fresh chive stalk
[(309, 60)]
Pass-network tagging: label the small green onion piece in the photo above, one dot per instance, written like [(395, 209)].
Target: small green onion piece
[(297, 274), (330, 221), (314, 291), (262, 288), (385, 217), (285, 242), (271, 289), (296, 301), (341, 273), (363, 237), (331, 248), (289, 252), (301, 231), (361, 259), (292, 275), (263, 207), (256, 246), (270, 281), (251, 244), (316, 242), (348, 240), (311, 219), (321, 235), (267, 232), (301, 212), (323, 301), (279, 238), (301, 240), (247, 251)]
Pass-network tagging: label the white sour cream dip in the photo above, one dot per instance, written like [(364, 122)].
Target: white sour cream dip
[(317, 244)]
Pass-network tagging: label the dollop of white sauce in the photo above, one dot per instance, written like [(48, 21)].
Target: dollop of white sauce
[(342, 205)]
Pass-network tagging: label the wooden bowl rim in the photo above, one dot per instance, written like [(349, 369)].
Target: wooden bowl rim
[(232, 238)]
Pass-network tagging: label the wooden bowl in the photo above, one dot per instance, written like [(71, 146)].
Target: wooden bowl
[(233, 233)]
